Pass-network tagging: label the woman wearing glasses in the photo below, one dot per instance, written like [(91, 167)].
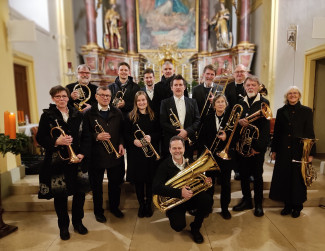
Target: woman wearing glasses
[(58, 133)]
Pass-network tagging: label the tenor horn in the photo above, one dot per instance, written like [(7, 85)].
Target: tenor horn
[(82, 96)]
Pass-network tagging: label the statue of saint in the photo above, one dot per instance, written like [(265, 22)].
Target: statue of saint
[(112, 39), (221, 24)]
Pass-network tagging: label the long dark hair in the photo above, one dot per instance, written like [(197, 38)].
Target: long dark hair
[(134, 115)]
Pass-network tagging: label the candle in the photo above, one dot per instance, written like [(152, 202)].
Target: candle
[(12, 125), (6, 119), (22, 116), (69, 65)]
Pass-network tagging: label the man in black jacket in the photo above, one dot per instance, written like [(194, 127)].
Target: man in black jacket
[(253, 163), (124, 84), (99, 158), (202, 202)]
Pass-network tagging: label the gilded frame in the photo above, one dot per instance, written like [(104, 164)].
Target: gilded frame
[(143, 35)]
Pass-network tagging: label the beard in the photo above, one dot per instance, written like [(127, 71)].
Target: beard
[(251, 94)]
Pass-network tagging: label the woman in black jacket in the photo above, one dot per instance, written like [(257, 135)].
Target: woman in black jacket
[(59, 178), (140, 168), (293, 122)]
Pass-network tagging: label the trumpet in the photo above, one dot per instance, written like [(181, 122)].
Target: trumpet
[(147, 147), (118, 97), (176, 123), (72, 156), (107, 143), (82, 96)]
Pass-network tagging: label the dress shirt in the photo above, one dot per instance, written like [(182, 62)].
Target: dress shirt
[(181, 109), (180, 166), (149, 92), (100, 108)]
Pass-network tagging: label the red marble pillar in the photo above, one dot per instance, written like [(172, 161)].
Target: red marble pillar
[(91, 22), (244, 32), (130, 26), (204, 28)]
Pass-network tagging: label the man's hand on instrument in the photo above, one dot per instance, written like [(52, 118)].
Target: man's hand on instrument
[(137, 143), (187, 192), (74, 95), (222, 135), (147, 138), (121, 149), (273, 156), (310, 158), (243, 122), (64, 140), (211, 97), (208, 180), (103, 136), (88, 106), (121, 103), (182, 133), (253, 152), (80, 156)]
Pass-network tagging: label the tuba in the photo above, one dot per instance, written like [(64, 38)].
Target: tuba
[(176, 123), (118, 97), (72, 156), (107, 143), (191, 176), (250, 132), (147, 147), (82, 96), (308, 172)]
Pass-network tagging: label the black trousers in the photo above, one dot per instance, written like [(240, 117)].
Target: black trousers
[(252, 166), (61, 209), (202, 202), (144, 192), (115, 176)]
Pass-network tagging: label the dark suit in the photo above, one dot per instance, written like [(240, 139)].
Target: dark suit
[(191, 123), (234, 96), (202, 201), (150, 100)]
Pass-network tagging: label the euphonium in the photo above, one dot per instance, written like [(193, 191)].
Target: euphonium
[(176, 123), (231, 125), (147, 147), (191, 176), (107, 143), (72, 156), (118, 97), (82, 97), (308, 172)]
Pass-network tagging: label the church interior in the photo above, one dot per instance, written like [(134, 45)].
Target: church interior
[(282, 42)]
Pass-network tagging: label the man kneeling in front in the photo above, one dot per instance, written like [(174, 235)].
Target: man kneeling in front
[(202, 202)]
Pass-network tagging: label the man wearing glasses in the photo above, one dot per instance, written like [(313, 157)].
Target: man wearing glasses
[(103, 123), (83, 76)]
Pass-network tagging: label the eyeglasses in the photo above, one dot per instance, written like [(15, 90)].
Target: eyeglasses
[(104, 96), (59, 96), (240, 72), (84, 72)]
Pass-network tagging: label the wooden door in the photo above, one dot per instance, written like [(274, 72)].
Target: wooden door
[(21, 89)]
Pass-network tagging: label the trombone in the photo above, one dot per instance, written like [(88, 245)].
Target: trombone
[(82, 97), (118, 97), (147, 147), (107, 143), (176, 123), (72, 156)]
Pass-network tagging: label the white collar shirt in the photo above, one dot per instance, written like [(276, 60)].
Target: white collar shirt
[(181, 109)]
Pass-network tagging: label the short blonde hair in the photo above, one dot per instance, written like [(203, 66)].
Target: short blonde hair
[(293, 87)]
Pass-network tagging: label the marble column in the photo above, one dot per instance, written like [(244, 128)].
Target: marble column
[(130, 26), (244, 19), (204, 27), (91, 22)]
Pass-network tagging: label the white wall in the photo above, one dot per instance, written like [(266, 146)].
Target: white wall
[(46, 56), (290, 63)]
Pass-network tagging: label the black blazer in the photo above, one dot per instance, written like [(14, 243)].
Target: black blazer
[(231, 95)]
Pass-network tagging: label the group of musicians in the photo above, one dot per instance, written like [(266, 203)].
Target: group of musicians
[(89, 129)]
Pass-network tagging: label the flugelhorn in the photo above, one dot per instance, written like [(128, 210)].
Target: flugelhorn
[(191, 176), (176, 123), (82, 96), (118, 97), (147, 147), (72, 156), (107, 143), (308, 172)]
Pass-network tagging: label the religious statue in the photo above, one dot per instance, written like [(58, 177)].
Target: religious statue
[(221, 24), (112, 39)]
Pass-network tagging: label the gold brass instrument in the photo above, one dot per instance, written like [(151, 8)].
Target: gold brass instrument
[(147, 147), (250, 132), (262, 90), (191, 176), (308, 172), (207, 99), (82, 96), (118, 97), (231, 125), (107, 143), (176, 123), (72, 156)]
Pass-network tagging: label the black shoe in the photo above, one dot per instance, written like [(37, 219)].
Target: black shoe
[(148, 209), (225, 214), (243, 205), (197, 236), (81, 229), (295, 213), (258, 211), (251, 178), (286, 211), (117, 213), (141, 211), (100, 218), (237, 176), (64, 234)]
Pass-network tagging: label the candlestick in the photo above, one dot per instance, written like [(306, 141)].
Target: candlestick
[(6, 119), (12, 125)]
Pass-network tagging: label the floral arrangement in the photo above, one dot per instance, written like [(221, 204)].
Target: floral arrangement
[(15, 146)]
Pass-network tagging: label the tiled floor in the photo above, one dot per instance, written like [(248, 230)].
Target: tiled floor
[(38, 231)]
